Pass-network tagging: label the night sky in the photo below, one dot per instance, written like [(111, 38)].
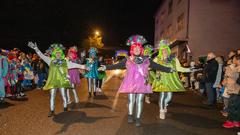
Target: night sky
[(70, 22)]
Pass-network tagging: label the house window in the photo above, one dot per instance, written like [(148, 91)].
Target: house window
[(170, 4), (180, 24)]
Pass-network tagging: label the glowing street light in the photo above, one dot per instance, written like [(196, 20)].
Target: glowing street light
[(97, 33)]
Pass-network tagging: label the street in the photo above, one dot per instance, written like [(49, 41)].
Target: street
[(106, 114)]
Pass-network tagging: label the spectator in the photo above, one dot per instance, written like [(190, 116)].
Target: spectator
[(230, 57), (192, 76), (210, 72), (219, 77), (230, 81), (42, 73), (238, 51)]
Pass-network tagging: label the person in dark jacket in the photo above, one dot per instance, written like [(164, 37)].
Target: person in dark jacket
[(210, 72)]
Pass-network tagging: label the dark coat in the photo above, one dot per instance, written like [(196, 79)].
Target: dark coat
[(210, 71)]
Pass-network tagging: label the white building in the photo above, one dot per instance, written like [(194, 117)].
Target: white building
[(205, 25)]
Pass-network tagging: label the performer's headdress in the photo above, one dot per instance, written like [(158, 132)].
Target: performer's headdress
[(148, 50), (72, 53), (136, 41), (53, 49), (164, 44), (93, 52)]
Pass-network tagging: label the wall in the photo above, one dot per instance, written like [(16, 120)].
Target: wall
[(214, 25)]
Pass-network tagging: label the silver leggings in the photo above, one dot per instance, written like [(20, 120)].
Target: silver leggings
[(139, 104), (74, 94), (164, 99), (91, 83), (53, 95)]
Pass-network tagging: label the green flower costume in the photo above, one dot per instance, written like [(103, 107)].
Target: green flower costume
[(168, 82), (57, 77)]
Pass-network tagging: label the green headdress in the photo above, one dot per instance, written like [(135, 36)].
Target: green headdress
[(54, 48), (164, 44)]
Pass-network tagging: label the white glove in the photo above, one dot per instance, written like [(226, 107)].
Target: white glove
[(33, 45), (102, 68), (195, 70), (172, 70)]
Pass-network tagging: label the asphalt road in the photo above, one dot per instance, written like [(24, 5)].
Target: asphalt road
[(107, 115)]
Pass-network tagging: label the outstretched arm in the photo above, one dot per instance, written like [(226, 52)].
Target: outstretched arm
[(179, 68), (40, 54), (120, 65), (156, 66), (75, 65)]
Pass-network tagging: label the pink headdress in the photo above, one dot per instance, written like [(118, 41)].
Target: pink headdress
[(136, 41), (72, 53)]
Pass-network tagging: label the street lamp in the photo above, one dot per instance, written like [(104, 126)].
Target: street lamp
[(97, 33)]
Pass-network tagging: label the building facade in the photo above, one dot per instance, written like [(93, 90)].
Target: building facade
[(196, 27)]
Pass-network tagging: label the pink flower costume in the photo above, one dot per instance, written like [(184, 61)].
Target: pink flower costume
[(135, 78)]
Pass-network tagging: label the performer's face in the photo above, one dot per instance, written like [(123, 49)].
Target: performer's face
[(92, 56), (70, 55), (165, 53), (136, 51), (58, 55)]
